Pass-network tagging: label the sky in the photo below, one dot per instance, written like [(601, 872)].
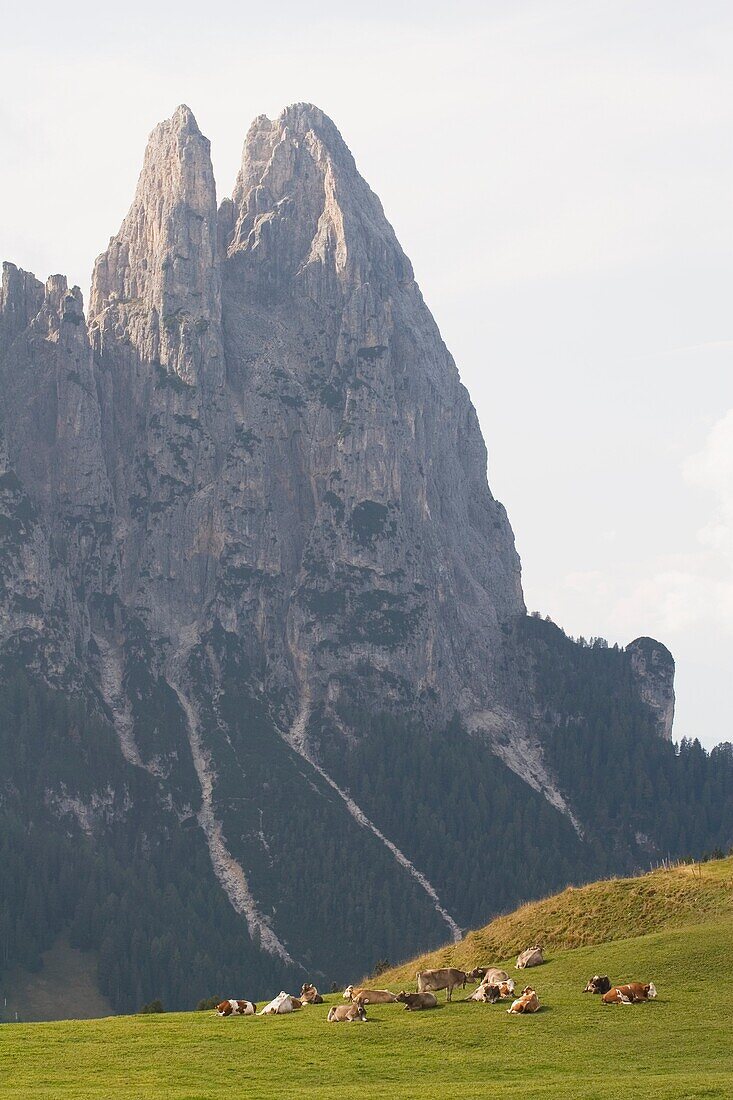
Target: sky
[(561, 175)]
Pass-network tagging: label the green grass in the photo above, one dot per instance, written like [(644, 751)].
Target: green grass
[(603, 911), (677, 1046), (672, 927)]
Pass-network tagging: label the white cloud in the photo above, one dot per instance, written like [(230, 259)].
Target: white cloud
[(711, 470)]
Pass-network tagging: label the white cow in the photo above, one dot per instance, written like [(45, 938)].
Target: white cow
[(278, 1006)]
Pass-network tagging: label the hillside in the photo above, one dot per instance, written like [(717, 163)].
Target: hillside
[(595, 914), (574, 1047)]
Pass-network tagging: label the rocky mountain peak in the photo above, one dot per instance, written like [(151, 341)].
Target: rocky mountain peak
[(304, 216), (62, 307), (160, 276), (21, 297)]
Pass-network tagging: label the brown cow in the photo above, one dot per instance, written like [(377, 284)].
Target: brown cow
[(632, 994), (369, 996), (430, 981), (236, 1008), (528, 1002), (309, 995), (531, 957), (414, 1002), (339, 1013)]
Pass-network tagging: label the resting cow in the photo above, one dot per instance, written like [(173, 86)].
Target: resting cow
[(632, 994), (487, 974), (531, 957), (489, 992), (430, 981), (598, 984), (414, 1002), (369, 996), (278, 1006), (340, 1013), (309, 995), (486, 994), (528, 1002), (236, 1008)]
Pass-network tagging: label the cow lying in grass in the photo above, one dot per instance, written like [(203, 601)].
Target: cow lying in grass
[(280, 1005), (632, 994), (236, 1008), (369, 996), (309, 995), (342, 1013), (414, 1002), (490, 992), (598, 984), (528, 1002), (531, 957), (491, 974)]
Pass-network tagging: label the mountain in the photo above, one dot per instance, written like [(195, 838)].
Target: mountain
[(269, 692)]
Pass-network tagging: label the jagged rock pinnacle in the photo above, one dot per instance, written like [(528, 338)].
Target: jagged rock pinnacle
[(161, 270)]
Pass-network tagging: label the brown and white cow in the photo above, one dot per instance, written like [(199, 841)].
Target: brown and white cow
[(280, 1005), (447, 977), (341, 1013), (369, 996), (486, 994), (632, 994), (309, 995), (532, 956), (599, 983), (528, 1002), (489, 992), (415, 1002), (236, 1008)]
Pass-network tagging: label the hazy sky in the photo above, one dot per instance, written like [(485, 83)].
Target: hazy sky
[(560, 173)]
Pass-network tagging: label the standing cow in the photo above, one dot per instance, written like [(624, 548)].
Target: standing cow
[(430, 981)]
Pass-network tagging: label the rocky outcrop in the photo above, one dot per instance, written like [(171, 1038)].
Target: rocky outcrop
[(653, 668)]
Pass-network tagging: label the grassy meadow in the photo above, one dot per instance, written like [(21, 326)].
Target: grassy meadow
[(680, 1045)]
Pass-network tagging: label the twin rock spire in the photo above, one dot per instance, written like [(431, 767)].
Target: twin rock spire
[(301, 220)]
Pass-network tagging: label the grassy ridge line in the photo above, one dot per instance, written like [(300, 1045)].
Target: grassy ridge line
[(609, 910)]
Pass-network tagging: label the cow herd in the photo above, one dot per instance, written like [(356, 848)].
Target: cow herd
[(494, 985)]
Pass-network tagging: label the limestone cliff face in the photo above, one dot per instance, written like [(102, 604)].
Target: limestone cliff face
[(359, 436), (249, 498), (653, 667), (292, 453)]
